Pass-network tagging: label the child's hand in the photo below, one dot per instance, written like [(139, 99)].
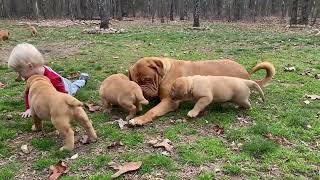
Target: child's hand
[(26, 114)]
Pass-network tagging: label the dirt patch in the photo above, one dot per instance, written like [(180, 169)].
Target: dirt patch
[(52, 51)]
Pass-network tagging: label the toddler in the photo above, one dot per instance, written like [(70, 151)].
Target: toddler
[(26, 60)]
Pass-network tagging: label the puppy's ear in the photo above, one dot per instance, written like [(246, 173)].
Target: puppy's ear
[(157, 65), (129, 73)]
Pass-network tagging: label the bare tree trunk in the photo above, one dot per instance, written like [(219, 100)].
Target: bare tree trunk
[(161, 11), (171, 10), (104, 13), (118, 10), (134, 8), (196, 13), (219, 8), (305, 12), (294, 12)]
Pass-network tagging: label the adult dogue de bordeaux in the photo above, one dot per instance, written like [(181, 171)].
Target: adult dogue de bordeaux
[(155, 75)]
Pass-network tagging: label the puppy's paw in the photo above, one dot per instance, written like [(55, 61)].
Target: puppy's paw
[(136, 122), (192, 114), (35, 129), (132, 122), (65, 148)]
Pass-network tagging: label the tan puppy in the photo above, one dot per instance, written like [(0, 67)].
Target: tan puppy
[(208, 89), (4, 35), (61, 108), (34, 31), (117, 89), (155, 76)]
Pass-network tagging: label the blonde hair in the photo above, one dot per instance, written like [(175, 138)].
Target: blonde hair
[(24, 54)]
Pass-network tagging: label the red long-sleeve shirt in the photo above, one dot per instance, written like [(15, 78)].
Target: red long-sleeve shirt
[(56, 81)]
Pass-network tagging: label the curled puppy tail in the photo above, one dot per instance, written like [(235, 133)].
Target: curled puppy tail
[(140, 98), (71, 101), (256, 86), (270, 72)]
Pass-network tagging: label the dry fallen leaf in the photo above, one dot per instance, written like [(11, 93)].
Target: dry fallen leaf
[(115, 57), (75, 156), (115, 144), (131, 166), (289, 69), (92, 107), (25, 149), (218, 129), (317, 76), (2, 85), (306, 102), (57, 170), (122, 123), (166, 143), (18, 78), (313, 97), (74, 75), (275, 139), (85, 139)]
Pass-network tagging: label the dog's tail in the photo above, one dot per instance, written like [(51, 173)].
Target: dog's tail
[(73, 102), (270, 72), (256, 86), (141, 99)]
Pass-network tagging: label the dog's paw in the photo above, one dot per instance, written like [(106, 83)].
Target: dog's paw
[(192, 114), (64, 148), (136, 122), (132, 122), (35, 129)]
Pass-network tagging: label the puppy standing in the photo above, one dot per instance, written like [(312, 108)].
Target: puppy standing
[(208, 89), (117, 89), (34, 31), (47, 103), (4, 35)]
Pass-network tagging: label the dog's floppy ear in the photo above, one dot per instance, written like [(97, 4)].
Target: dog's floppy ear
[(158, 66), (129, 73)]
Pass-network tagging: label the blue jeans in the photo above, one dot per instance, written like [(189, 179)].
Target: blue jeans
[(73, 87)]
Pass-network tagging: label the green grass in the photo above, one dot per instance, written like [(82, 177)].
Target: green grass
[(195, 145)]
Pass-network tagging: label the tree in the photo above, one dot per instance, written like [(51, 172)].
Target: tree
[(171, 10), (294, 12), (304, 12), (104, 13), (161, 11), (196, 13)]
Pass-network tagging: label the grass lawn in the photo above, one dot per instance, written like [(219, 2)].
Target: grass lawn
[(243, 151)]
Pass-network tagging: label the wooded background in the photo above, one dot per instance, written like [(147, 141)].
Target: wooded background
[(297, 11)]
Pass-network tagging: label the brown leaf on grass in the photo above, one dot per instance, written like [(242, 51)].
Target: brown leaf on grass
[(121, 123), (57, 170), (313, 97), (130, 166), (275, 139), (317, 76), (92, 107), (289, 68), (74, 75), (85, 139), (218, 129), (2, 85), (115, 144), (18, 78), (306, 102), (166, 143), (306, 72)]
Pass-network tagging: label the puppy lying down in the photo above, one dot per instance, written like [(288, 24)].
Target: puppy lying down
[(117, 89), (208, 89), (47, 103)]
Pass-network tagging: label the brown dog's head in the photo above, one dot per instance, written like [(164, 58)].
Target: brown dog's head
[(36, 78), (4, 34), (179, 89), (148, 73)]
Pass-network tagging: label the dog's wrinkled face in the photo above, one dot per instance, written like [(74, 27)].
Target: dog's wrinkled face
[(179, 89), (148, 74)]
